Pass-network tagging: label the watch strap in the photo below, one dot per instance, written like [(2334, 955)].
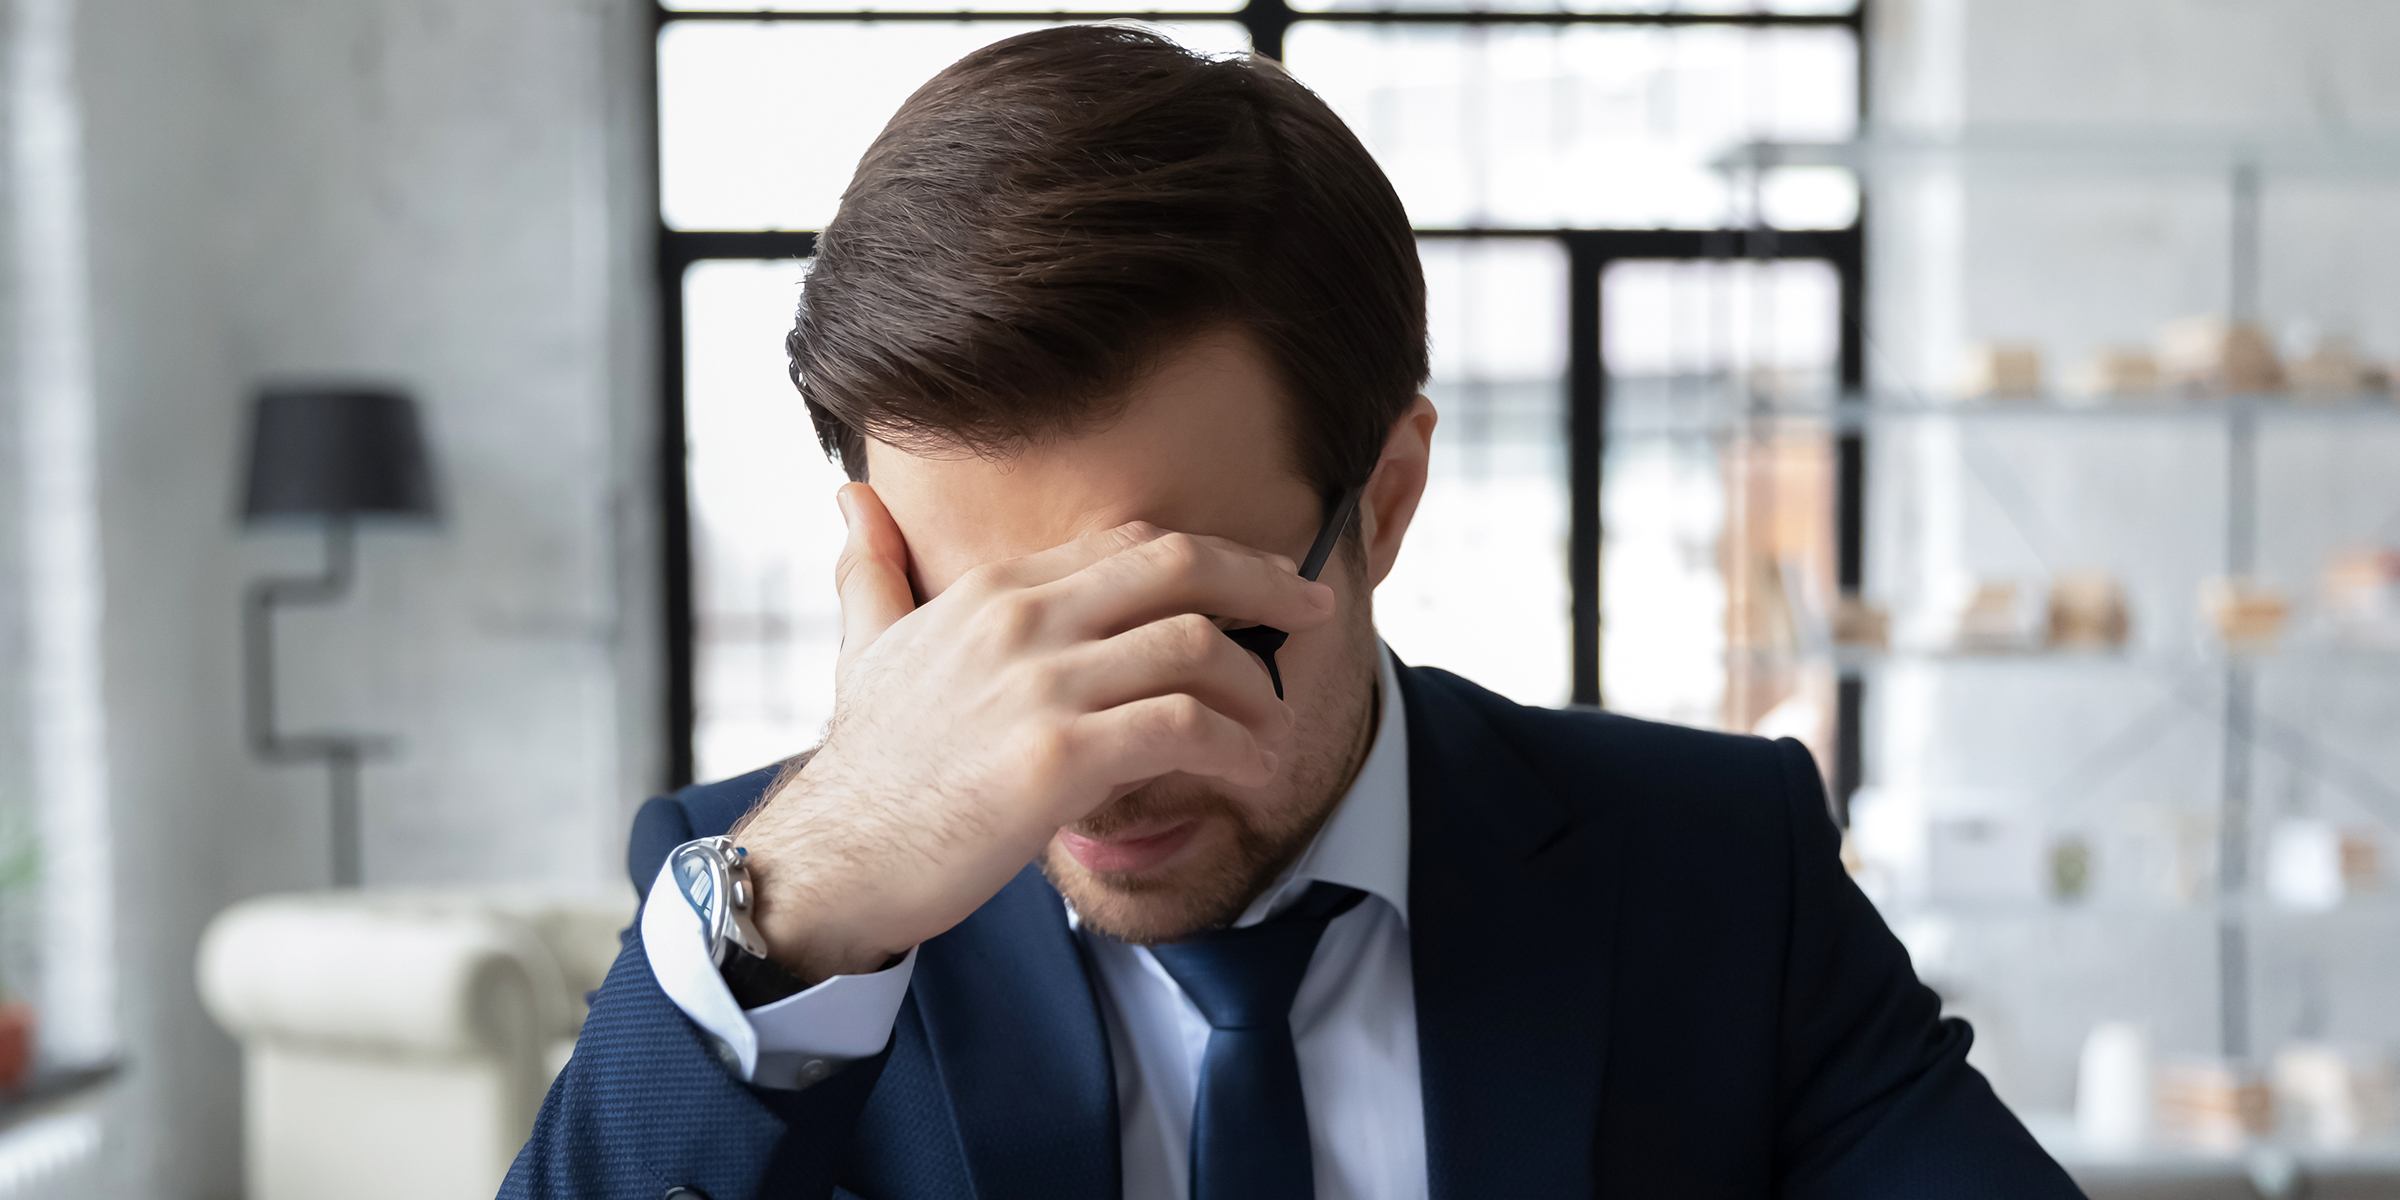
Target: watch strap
[(756, 982)]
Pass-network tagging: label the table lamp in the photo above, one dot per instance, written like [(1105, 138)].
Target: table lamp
[(324, 457)]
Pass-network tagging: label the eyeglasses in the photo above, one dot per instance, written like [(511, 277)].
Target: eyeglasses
[(1265, 640)]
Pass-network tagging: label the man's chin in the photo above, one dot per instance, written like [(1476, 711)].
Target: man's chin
[(1205, 886)]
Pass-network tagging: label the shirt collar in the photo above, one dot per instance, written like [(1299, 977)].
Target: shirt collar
[(1364, 844)]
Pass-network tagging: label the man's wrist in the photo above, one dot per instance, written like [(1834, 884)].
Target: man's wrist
[(798, 935)]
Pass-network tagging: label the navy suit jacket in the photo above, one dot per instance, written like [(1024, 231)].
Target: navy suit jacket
[(1640, 972)]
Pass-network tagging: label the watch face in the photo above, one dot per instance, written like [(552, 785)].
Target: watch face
[(696, 875)]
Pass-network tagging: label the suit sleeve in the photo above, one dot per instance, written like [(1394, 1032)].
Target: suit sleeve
[(645, 1105), (1876, 1097)]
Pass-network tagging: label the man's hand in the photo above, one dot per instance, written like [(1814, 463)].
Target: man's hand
[(1025, 697)]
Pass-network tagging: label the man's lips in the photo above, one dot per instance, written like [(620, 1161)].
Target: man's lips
[(1137, 849)]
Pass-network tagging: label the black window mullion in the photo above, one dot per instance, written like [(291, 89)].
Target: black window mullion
[(1587, 449), (1267, 22), (678, 250), (675, 518)]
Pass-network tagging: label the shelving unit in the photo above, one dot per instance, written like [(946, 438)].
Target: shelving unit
[(2243, 727), (2256, 712)]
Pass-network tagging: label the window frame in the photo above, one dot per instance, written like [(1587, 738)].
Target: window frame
[(1590, 250)]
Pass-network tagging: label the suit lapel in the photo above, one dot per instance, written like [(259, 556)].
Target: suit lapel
[(1512, 915), (1015, 1032)]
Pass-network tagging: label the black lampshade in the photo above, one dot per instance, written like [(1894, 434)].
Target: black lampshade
[(339, 451)]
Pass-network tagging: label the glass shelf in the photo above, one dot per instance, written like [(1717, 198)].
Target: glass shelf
[(2165, 1163), (1728, 412), (2301, 657), (2290, 152), (2382, 905)]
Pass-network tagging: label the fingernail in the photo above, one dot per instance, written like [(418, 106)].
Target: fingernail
[(849, 507), (1269, 760), (1320, 595)]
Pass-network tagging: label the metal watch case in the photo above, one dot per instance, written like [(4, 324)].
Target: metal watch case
[(714, 876)]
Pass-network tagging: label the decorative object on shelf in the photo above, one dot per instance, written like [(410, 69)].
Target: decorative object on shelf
[(2087, 612), (2248, 615), (2002, 371), (2362, 861), (2215, 356), (17, 1025), (2115, 371), (2304, 864), (1983, 857), (2331, 370), (1860, 625), (1993, 621), (2333, 1099), (2361, 589), (2212, 1103), (2169, 853), (1959, 846), (325, 457), (20, 867), (2070, 868), (2113, 1105)]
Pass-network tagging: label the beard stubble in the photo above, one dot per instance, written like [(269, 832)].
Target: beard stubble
[(1264, 839)]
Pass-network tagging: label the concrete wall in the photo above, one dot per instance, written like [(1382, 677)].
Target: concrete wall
[(449, 194), (2075, 257)]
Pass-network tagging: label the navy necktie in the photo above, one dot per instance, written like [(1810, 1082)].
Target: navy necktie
[(1249, 1128)]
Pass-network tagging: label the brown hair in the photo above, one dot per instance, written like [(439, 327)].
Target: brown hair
[(1046, 217)]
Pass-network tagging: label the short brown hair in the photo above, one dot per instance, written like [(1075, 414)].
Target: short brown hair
[(1047, 216)]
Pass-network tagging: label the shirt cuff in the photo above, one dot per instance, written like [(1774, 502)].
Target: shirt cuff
[(791, 1043)]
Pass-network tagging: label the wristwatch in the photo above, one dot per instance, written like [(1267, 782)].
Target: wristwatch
[(714, 876)]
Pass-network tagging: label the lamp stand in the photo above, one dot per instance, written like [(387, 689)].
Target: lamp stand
[(341, 752)]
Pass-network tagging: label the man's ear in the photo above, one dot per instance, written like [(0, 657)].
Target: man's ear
[(1390, 501)]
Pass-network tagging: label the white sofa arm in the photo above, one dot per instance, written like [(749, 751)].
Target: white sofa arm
[(396, 1043), (329, 970)]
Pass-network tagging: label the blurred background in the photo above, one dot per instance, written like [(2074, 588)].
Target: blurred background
[(402, 482)]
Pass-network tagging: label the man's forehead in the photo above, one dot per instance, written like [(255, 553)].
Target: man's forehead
[(1201, 445)]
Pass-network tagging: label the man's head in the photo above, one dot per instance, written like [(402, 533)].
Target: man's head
[(1086, 277)]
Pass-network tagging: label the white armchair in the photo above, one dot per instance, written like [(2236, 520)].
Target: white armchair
[(398, 1043)]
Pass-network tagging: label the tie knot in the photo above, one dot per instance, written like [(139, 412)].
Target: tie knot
[(1246, 978)]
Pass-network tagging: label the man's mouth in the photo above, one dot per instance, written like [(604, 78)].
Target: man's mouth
[(1133, 850)]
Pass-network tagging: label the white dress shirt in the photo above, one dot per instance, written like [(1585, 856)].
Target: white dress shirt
[(1354, 1021)]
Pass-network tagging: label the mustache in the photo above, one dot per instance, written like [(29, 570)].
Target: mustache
[(1156, 802)]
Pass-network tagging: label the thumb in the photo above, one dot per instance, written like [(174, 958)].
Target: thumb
[(871, 576)]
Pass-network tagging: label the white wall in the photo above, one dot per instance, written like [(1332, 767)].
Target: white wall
[(2072, 259), (451, 194)]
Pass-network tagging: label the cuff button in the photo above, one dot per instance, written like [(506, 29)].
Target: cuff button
[(685, 1193)]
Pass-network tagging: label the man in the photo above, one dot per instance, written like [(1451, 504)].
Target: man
[(1098, 887)]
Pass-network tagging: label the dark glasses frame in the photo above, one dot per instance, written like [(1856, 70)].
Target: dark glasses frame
[(1265, 640)]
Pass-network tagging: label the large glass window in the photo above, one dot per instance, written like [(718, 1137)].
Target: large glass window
[(1497, 495), (1587, 125), (764, 529), (1535, 145), (1718, 561), (760, 123)]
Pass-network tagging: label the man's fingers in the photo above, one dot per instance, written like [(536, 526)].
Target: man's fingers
[(1182, 573), (872, 573), (1179, 654), (1065, 559), (1163, 735)]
